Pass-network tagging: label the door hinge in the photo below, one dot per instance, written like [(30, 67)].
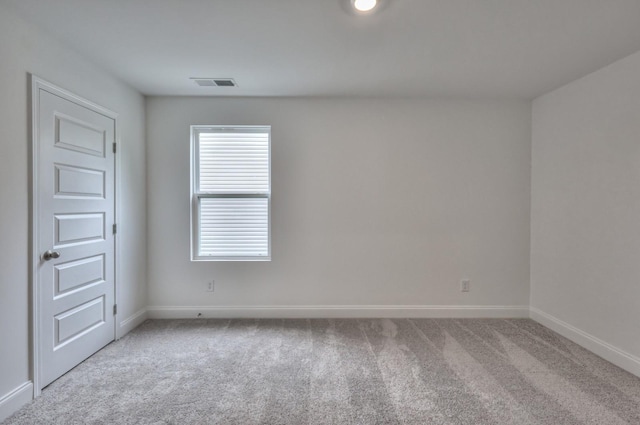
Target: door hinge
[(115, 229), (114, 148), (115, 309)]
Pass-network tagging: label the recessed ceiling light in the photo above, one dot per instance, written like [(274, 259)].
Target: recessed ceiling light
[(364, 5)]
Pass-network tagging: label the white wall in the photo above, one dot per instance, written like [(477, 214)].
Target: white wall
[(375, 202), (23, 49), (585, 255)]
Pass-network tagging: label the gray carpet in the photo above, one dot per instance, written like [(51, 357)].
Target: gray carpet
[(418, 371)]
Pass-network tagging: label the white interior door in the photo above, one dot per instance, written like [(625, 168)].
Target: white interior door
[(74, 204)]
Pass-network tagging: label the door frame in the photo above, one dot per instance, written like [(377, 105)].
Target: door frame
[(35, 84)]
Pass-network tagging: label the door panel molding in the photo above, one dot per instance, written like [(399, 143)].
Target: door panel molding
[(97, 148)]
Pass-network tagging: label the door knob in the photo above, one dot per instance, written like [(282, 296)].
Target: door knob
[(50, 254)]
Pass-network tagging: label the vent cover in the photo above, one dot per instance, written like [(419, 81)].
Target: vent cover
[(215, 82)]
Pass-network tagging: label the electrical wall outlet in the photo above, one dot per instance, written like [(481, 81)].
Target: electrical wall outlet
[(465, 285), (210, 286)]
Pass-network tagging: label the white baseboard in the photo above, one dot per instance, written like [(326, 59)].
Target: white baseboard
[(338, 311), (14, 400), (132, 322), (618, 357)]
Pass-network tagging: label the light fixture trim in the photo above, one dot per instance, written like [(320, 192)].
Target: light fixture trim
[(364, 6), (349, 6)]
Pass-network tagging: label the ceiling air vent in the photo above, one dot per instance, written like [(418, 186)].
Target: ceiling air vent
[(215, 82)]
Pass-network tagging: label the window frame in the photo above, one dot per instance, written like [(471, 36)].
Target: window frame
[(196, 196)]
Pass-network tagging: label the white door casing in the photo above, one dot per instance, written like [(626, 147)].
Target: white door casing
[(72, 229)]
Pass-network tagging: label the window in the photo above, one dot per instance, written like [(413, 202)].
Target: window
[(230, 193)]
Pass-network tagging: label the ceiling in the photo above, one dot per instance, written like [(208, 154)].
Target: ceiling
[(452, 48)]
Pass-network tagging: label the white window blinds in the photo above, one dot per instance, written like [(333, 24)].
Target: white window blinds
[(234, 162), (231, 190)]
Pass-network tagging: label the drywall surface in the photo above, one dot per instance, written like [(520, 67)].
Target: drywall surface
[(586, 205), (374, 202), (25, 49)]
